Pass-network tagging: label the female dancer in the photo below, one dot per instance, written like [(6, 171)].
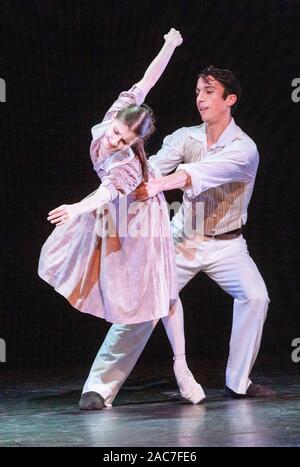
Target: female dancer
[(110, 255)]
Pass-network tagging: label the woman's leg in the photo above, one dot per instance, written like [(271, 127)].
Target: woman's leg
[(174, 326), (188, 263)]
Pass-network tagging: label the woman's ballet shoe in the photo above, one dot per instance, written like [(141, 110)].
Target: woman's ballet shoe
[(188, 386)]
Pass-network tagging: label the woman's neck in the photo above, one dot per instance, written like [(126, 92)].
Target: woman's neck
[(103, 153)]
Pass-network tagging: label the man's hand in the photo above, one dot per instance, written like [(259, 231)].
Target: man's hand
[(173, 37), (147, 190), (62, 214)]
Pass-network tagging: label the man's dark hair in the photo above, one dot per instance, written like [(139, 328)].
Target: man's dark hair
[(226, 78)]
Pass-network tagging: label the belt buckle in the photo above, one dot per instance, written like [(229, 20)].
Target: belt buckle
[(210, 237)]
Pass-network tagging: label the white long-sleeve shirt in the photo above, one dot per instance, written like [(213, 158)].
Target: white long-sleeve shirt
[(222, 176)]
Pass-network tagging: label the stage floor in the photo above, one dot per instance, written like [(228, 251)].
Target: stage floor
[(41, 409)]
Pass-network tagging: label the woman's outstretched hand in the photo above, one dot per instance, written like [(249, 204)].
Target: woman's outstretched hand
[(62, 214), (173, 37)]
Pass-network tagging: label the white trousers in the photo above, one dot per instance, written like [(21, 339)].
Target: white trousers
[(228, 263)]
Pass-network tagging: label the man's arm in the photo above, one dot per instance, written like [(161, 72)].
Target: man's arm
[(236, 164), (239, 164), (171, 153), (180, 179)]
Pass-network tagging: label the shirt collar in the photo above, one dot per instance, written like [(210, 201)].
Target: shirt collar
[(231, 133)]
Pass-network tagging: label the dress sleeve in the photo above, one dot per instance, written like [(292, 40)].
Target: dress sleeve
[(123, 180), (134, 95)]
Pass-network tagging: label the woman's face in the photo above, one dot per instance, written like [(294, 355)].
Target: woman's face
[(118, 137)]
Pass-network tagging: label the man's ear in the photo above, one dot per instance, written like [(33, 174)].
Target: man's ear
[(231, 99)]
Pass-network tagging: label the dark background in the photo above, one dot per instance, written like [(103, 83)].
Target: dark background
[(64, 62)]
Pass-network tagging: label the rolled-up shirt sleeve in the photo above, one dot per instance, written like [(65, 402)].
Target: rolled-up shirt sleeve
[(236, 164), (170, 154)]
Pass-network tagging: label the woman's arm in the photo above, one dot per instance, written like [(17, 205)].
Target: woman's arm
[(172, 40), (66, 212), (136, 95)]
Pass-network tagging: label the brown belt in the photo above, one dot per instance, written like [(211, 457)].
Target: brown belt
[(227, 235)]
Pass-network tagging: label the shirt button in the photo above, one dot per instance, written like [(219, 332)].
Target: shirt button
[(215, 216)]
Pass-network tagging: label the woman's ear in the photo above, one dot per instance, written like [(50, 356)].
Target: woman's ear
[(136, 140)]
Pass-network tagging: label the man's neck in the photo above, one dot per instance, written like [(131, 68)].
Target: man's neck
[(214, 130)]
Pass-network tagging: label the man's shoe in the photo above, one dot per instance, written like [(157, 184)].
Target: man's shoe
[(254, 390), (234, 395), (91, 401), (258, 390)]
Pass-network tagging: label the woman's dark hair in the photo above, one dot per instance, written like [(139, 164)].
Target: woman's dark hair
[(230, 83), (140, 120)]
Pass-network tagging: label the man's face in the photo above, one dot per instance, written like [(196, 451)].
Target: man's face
[(118, 137), (210, 101)]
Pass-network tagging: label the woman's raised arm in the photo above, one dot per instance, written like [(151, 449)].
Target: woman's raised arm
[(138, 92), (156, 68)]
